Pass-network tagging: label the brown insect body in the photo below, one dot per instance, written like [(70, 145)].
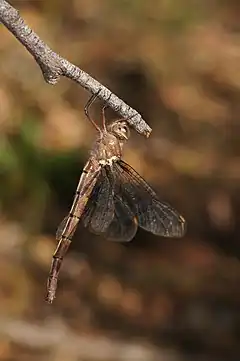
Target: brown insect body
[(112, 199), (109, 145)]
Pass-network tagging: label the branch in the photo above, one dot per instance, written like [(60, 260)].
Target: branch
[(53, 66)]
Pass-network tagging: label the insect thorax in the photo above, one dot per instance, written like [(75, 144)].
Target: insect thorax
[(107, 149)]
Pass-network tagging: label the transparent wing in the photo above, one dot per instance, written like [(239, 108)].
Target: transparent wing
[(124, 225), (99, 210), (152, 215), (71, 228), (106, 213)]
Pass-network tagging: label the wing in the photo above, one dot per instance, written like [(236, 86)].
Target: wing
[(152, 215), (99, 210), (71, 228), (106, 213), (124, 225)]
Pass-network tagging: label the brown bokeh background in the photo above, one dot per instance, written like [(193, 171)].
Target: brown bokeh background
[(178, 64)]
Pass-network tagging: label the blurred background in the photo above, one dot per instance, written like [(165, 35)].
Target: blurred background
[(153, 299)]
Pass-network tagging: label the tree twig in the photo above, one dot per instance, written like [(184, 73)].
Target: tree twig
[(53, 66)]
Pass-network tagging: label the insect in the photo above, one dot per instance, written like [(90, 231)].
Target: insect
[(112, 199)]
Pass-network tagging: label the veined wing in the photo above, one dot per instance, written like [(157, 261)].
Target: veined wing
[(124, 225), (67, 227), (99, 210), (152, 214), (106, 213)]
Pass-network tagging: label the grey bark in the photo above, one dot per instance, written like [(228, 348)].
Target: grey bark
[(53, 66)]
